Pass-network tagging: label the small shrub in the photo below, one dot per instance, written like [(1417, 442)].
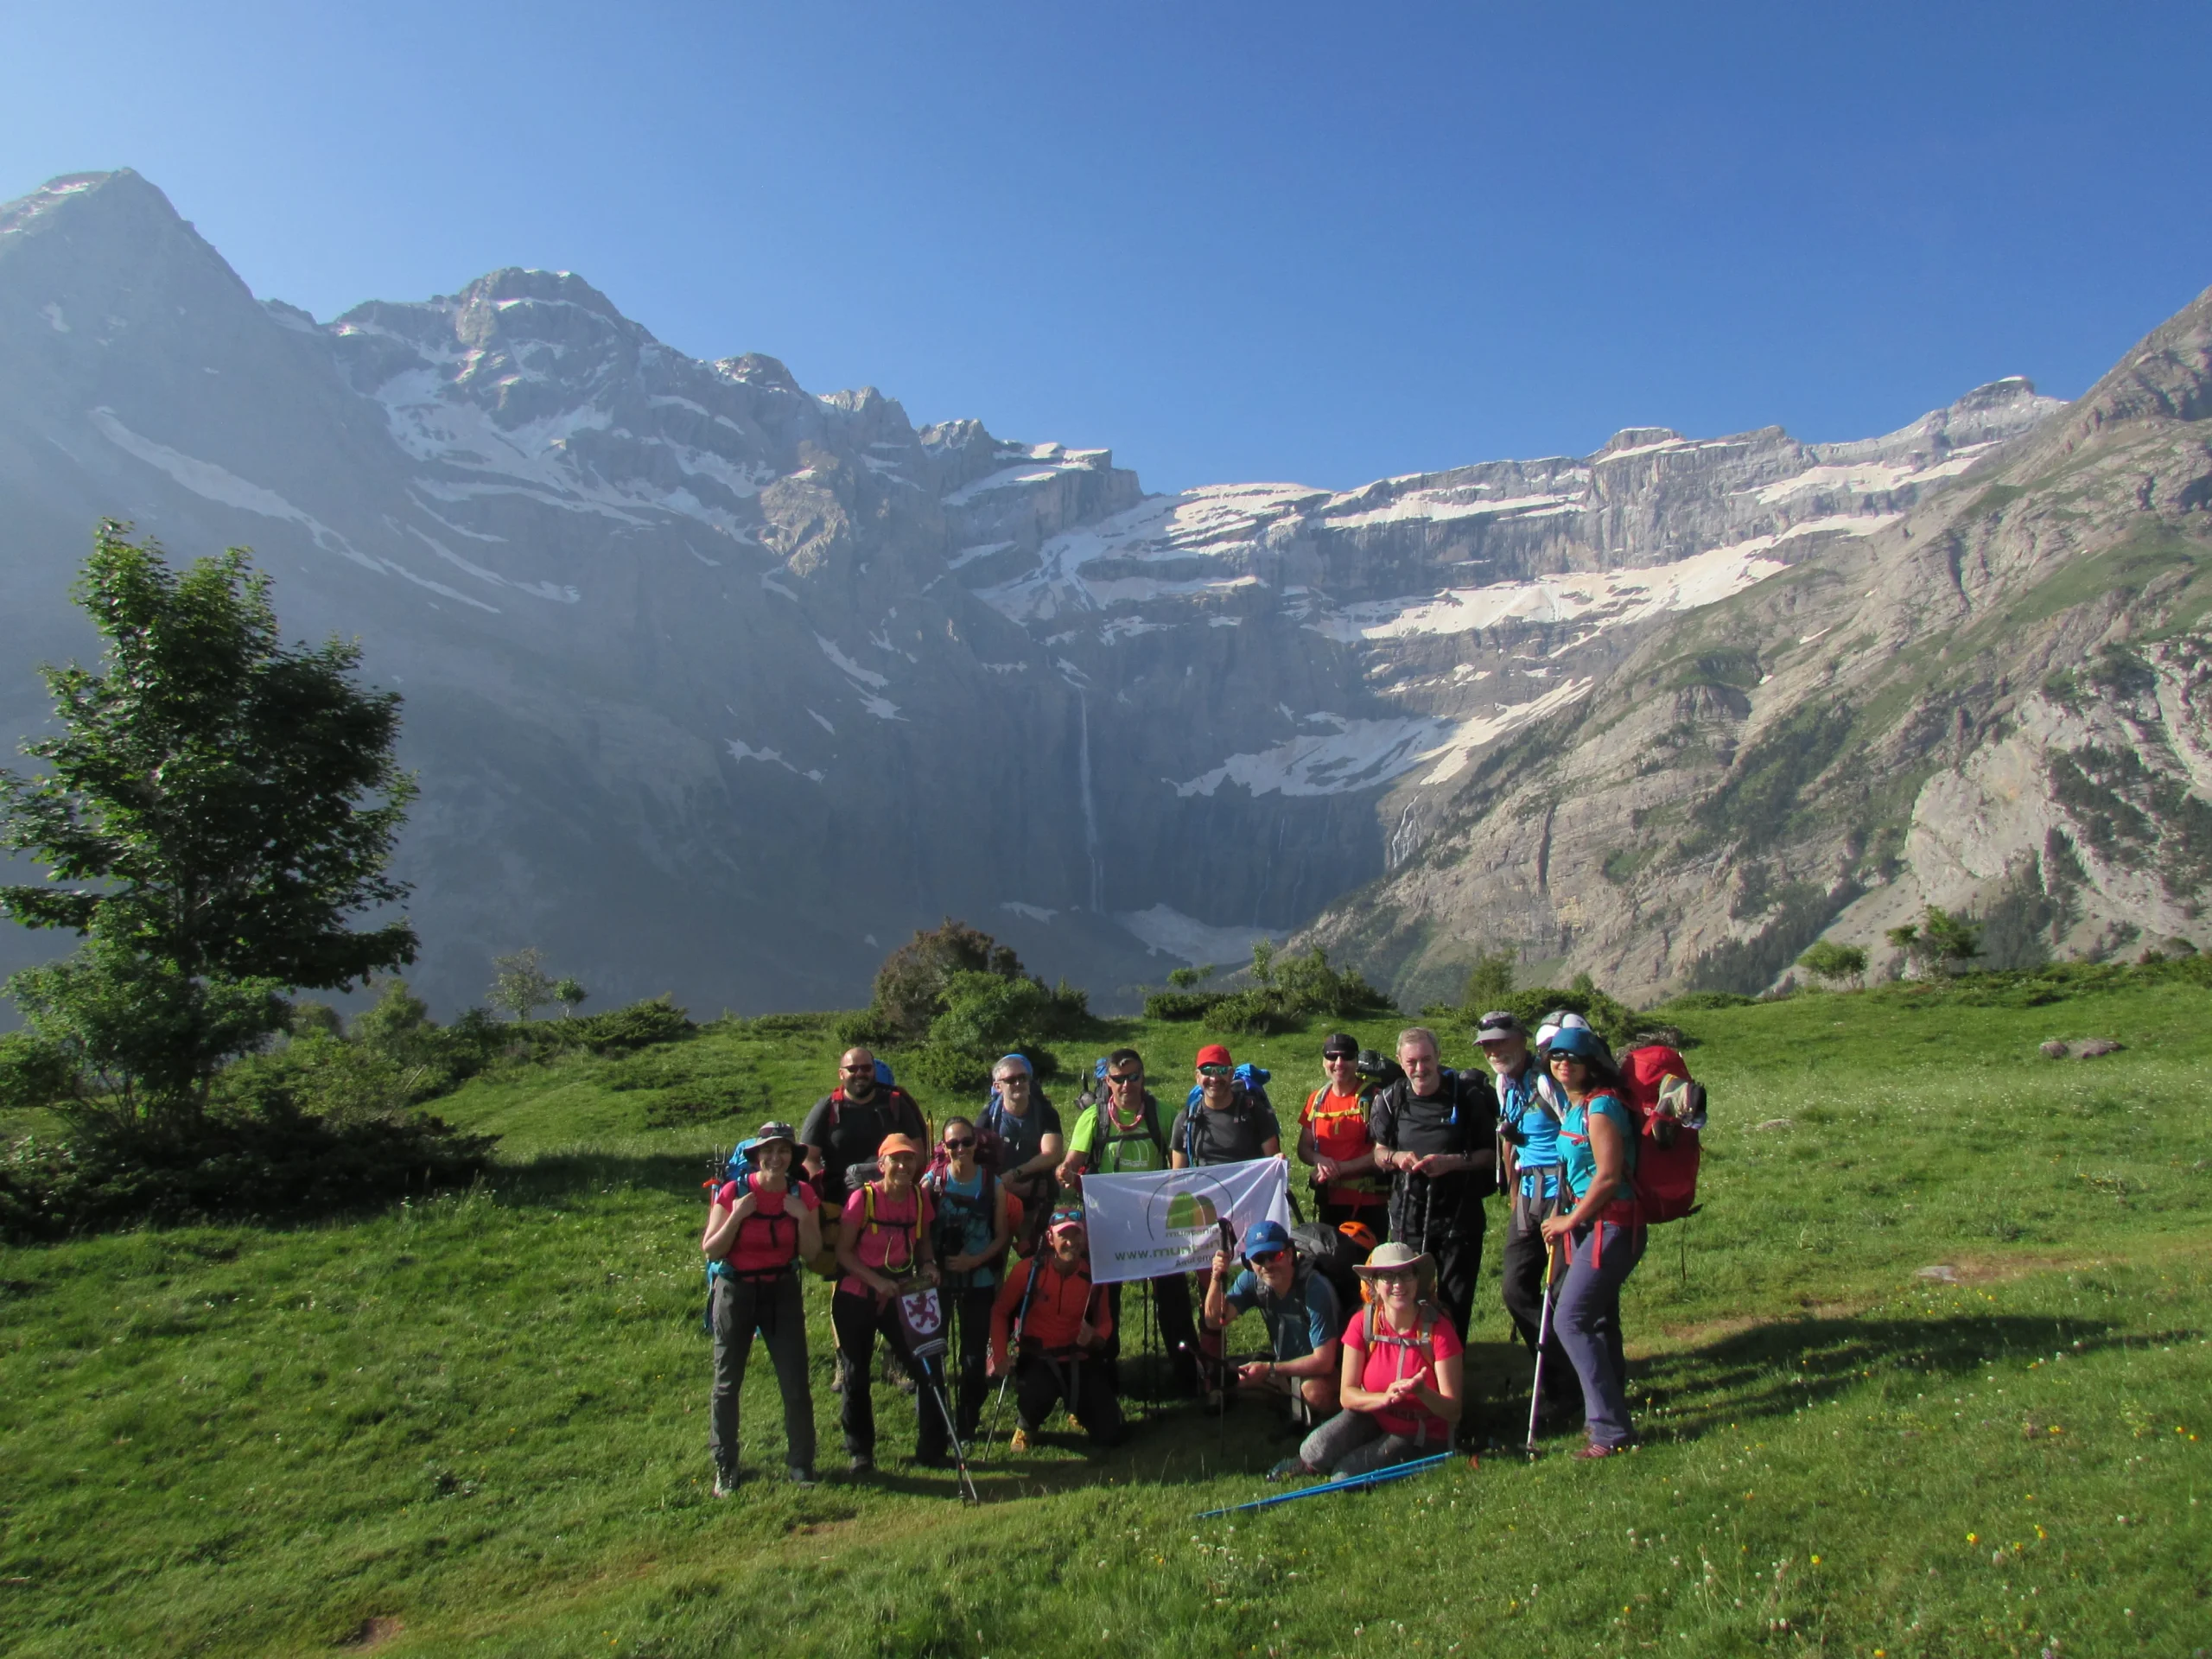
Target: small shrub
[(1182, 1005), (641, 1025)]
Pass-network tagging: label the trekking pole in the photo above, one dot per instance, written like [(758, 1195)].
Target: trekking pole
[(952, 1433), (1220, 1369), (1343, 1484), (1543, 1336), (1012, 1359)]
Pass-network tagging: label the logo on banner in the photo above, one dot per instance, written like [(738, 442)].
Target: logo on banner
[(1170, 1217)]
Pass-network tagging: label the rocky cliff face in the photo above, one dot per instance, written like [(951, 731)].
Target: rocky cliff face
[(1996, 703), (719, 686)]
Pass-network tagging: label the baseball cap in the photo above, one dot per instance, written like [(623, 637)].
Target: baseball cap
[(1499, 1023), (1266, 1235), (1340, 1044), (1215, 1055), (898, 1143)]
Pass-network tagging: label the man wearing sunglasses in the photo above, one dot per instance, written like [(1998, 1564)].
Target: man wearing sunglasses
[(1120, 1135), (848, 1126), (1333, 1137), (1303, 1321), (1436, 1132), (1231, 1124)]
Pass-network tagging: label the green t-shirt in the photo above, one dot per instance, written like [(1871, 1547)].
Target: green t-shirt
[(1108, 1149)]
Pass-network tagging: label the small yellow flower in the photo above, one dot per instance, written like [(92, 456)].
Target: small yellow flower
[(1816, 1560), (1973, 1538)]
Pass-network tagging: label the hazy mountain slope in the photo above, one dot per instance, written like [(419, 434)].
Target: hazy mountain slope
[(1999, 702), (719, 686)]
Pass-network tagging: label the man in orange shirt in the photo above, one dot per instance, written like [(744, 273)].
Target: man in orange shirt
[(1065, 1323), (1333, 1137)]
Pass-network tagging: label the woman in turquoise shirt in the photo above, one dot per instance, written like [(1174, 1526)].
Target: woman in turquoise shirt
[(1602, 1236)]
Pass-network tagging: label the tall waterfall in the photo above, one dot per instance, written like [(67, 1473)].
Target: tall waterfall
[(1090, 808)]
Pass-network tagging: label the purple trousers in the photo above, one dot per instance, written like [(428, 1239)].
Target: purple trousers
[(1587, 1320)]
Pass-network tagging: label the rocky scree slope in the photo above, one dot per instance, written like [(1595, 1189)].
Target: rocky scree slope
[(1997, 703), (718, 686)]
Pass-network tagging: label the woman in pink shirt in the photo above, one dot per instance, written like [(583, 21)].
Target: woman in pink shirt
[(759, 1230), (1400, 1384), (883, 1245)]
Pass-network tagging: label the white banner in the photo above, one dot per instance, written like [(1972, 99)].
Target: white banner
[(1142, 1226)]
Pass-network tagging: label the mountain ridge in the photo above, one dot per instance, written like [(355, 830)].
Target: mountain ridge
[(693, 656)]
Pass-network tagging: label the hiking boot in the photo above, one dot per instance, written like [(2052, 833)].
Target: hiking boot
[(802, 1478), (1020, 1440), (1593, 1450), (1292, 1469), (860, 1463), (726, 1481)]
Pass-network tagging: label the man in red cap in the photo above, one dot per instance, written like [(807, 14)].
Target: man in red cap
[(1231, 1124)]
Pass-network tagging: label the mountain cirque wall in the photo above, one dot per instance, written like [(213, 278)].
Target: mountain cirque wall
[(720, 687), (1996, 703)]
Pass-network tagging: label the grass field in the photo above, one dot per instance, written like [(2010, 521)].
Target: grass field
[(478, 1424)]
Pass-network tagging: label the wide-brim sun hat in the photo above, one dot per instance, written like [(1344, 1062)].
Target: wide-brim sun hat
[(1396, 1257), (768, 1133)]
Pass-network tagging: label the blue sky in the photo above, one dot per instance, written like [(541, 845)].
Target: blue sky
[(1231, 241)]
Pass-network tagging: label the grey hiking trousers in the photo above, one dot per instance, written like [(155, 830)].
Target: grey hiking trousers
[(776, 1310)]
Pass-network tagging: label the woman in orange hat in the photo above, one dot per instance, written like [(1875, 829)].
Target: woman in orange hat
[(884, 1248)]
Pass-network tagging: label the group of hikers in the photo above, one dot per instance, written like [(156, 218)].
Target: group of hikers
[(1366, 1307)]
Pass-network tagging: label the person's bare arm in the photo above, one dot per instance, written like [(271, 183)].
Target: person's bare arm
[(1608, 1147), (1216, 1312), (809, 1230), (1349, 1394), (722, 1224)]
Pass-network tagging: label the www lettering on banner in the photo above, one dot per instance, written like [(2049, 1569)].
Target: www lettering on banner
[(1142, 1226)]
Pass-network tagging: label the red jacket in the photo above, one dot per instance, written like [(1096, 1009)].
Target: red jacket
[(1063, 1304)]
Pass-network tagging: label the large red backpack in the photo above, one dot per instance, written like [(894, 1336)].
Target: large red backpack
[(1670, 1111)]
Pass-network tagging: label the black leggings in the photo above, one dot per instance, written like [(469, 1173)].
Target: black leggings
[(1042, 1381), (858, 1320)]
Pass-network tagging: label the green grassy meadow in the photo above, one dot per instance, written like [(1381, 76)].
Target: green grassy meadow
[(478, 1424)]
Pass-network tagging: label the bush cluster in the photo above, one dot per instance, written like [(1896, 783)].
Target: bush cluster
[(1286, 992), (951, 1000), (273, 1164)]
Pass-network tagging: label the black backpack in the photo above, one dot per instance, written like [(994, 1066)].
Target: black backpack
[(1332, 1255)]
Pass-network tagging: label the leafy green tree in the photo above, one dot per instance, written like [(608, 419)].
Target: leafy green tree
[(567, 992), (912, 987), (214, 807), (1828, 961), (520, 985), (1939, 940), (1189, 978), (1489, 982)]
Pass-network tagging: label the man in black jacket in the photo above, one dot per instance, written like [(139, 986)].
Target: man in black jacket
[(1436, 1132), (846, 1125)]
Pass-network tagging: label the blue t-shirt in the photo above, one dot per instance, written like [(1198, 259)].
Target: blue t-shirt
[(964, 1225), (1297, 1325), (1523, 1109), (1574, 1139)]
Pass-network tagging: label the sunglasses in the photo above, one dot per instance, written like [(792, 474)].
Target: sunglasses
[(1128, 1080), (960, 1144), (1568, 1059), (1017, 1081), (1216, 1070), (1265, 1258), (1333, 1056)]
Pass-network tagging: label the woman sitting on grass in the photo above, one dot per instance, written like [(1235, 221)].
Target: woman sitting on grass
[(757, 1231), (1399, 1388), (1601, 1236)]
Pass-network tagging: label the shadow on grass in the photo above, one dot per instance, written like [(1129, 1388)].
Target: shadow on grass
[(1772, 1370)]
